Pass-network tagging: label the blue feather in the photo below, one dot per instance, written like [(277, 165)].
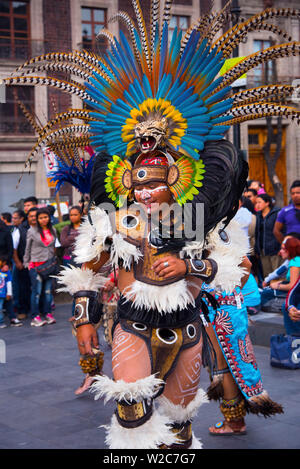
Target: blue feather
[(173, 88), (220, 120), (96, 106), (147, 87), (214, 137), (123, 59), (109, 58), (134, 93), (199, 119), (81, 180), (128, 51), (177, 46), (130, 99), (163, 86), (190, 101), (119, 111), (211, 87), (188, 52), (111, 62), (163, 49), (217, 96), (181, 99), (139, 90), (220, 129)]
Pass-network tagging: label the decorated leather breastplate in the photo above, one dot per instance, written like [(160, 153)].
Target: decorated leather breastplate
[(136, 229)]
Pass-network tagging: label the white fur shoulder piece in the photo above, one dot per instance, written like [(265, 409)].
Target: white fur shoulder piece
[(121, 249), (228, 253), (90, 241), (193, 249)]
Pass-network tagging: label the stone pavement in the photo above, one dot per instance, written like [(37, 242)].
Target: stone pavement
[(38, 408)]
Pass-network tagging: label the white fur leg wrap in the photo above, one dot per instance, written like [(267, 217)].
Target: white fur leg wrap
[(120, 390), (178, 413), (150, 435), (75, 279)]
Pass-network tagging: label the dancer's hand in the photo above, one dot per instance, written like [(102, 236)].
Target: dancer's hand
[(169, 266), (87, 339)]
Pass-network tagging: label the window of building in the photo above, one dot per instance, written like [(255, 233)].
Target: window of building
[(263, 73), (182, 22), (92, 21), (12, 118), (14, 30)]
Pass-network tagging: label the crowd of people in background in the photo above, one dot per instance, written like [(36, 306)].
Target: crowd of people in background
[(32, 237), (33, 243)]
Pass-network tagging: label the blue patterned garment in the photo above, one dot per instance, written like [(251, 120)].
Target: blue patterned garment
[(230, 323)]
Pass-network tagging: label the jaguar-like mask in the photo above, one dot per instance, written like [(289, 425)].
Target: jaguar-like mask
[(151, 134)]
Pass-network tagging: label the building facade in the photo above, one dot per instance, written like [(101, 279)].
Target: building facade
[(33, 27)]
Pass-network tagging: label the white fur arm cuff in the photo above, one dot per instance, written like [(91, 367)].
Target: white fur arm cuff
[(74, 279)]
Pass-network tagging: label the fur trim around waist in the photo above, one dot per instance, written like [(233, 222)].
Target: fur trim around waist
[(164, 299)]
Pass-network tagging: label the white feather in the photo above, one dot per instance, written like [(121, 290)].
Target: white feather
[(193, 250), (165, 299), (121, 249), (75, 279), (90, 241), (144, 388), (228, 256)]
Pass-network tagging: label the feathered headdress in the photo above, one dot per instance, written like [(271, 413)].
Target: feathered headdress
[(148, 92)]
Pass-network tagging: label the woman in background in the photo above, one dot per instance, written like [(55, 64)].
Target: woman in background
[(68, 235), (41, 242)]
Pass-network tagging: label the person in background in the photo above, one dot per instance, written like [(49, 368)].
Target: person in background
[(292, 310), (18, 218), (266, 245), (244, 218), (6, 218), (290, 250), (22, 272), (51, 210), (40, 247), (258, 186), (6, 294), (28, 203), (252, 195), (6, 242), (288, 219), (68, 235), (251, 296)]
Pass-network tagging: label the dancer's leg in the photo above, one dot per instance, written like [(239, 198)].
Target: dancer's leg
[(182, 397), (231, 396)]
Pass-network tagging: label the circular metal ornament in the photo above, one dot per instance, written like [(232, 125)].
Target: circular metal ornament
[(130, 222)]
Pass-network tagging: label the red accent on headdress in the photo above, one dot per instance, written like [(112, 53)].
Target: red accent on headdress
[(154, 160)]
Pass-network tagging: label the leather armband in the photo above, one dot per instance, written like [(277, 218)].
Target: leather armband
[(87, 309), (205, 269)]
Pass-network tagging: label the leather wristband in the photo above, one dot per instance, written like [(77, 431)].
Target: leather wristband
[(85, 311), (205, 269)]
